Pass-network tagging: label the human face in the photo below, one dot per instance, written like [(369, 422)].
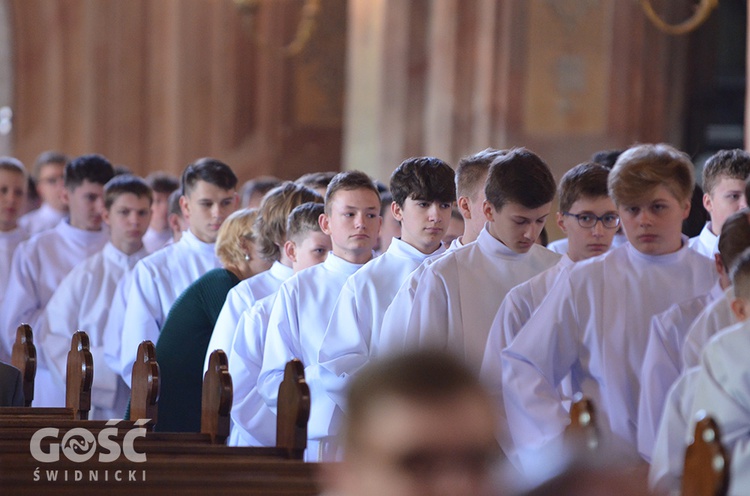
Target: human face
[(12, 198), (206, 207), (86, 205), (159, 212), (455, 229), (353, 222), (588, 242), (423, 223), (653, 225), (50, 185), (727, 198), (128, 219), (311, 250), (516, 226), (408, 448)]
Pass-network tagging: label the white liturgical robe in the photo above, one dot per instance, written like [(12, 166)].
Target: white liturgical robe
[(594, 326), (82, 302), (353, 332), (662, 362), (253, 422), (706, 243), (459, 294), (154, 240), (716, 316), (42, 219), (241, 298), (8, 242), (298, 321), (722, 389), (668, 454), (157, 281), (38, 266)]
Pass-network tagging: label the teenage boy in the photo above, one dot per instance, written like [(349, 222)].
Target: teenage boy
[(592, 325), (721, 386), (84, 298), (423, 195), (418, 424), (40, 263), (675, 331), (159, 232), (470, 179), (459, 294), (209, 197), (270, 227), (305, 302), (13, 183), (254, 424), (48, 175), (724, 177)]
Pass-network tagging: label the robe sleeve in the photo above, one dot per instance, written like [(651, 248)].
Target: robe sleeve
[(226, 324), (282, 340), (143, 317), (255, 422), (112, 335), (22, 303), (661, 368), (533, 366), (431, 313)]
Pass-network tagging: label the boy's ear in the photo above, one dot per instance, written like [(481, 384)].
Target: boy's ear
[(325, 224), (397, 211), (489, 212), (463, 206), (686, 211), (707, 204), (105, 216), (719, 264), (290, 250), (66, 196), (739, 308), (560, 223), (185, 207)]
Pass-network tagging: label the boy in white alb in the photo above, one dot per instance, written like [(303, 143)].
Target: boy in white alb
[(48, 177), (459, 294), (663, 360), (83, 299), (593, 324), (159, 232), (270, 225), (13, 184), (470, 178), (253, 423), (209, 196), (41, 263), (423, 195), (724, 176), (721, 386), (305, 302)]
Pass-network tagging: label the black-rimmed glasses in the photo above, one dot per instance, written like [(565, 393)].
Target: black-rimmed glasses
[(610, 221)]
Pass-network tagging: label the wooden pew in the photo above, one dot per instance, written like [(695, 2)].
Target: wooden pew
[(177, 463), (706, 468), (79, 378), (581, 431)]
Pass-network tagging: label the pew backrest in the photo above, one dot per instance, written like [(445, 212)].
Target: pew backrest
[(217, 396), (293, 410), (79, 376), (706, 469), (582, 430), (144, 393)]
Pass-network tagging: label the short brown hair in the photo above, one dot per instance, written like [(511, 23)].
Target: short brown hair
[(519, 176), (733, 164), (162, 182), (586, 180), (304, 219), (275, 208), (419, 376), (240, 224), (48, 157), (348, 181), (316, 180), (122, 184), (740, 274), (642, 168), (12, 164), (735, 237), (471, 172)]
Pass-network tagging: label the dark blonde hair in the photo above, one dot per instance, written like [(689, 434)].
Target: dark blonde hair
[(471, 172), (275, 208), (240, 224), (733, 164), (347, 181), (642, 168)]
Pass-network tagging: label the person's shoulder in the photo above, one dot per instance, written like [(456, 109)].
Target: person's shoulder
[(545, 254)]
